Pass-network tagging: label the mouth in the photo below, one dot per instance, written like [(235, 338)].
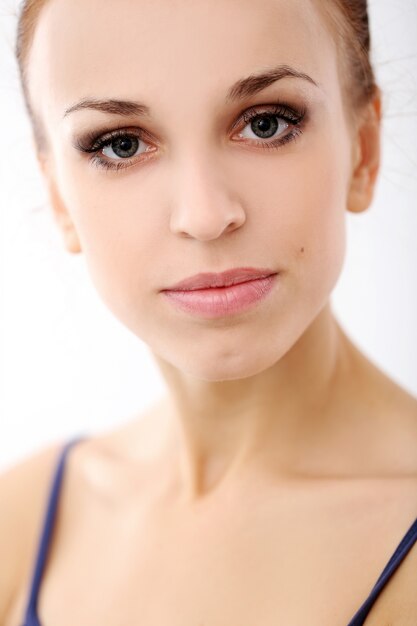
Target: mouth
[(224, 295), (208, 280)]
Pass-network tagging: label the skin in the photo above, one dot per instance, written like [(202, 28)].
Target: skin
[(270, 415)]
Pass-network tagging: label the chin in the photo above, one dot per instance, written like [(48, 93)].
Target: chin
[(235, 366)]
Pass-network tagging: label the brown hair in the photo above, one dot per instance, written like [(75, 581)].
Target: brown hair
[(348, 20)]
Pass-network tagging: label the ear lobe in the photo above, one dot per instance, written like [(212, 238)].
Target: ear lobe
[(366, 161), (59, 210)]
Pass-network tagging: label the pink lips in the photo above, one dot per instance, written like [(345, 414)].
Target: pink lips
[(217, 295), (224, 279)]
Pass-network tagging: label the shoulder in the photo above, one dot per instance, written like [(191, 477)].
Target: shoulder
[(23, 491), (397, 604), (391, 415), (403, 600), (94, 470)]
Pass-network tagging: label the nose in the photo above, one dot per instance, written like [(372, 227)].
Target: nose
[(205, 206)]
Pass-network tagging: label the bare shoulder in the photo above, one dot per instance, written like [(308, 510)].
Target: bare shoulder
[(23, 491), (391, 412), (96, 466), (398, 602), (402, 602)]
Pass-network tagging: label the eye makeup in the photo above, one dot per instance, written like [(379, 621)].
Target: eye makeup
[(94, 142)]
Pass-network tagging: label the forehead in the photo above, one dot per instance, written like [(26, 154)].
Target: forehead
[(156, 50)]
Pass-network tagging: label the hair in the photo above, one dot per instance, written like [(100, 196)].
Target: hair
[(348, 20)]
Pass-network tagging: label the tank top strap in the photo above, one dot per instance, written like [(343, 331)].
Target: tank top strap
[(46, 530), (31, 618), (403, 548)]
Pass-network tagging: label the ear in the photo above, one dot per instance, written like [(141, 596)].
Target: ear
[(366, 156), (59, 210)]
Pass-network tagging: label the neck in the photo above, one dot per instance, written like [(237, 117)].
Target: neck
[(275, 419)]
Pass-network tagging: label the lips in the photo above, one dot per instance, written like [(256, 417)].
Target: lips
[(234, 276)]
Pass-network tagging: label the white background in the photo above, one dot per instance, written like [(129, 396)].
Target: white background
[(69, 366)]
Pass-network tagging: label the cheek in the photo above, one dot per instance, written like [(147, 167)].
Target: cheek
[(118, 230), (305, 209)]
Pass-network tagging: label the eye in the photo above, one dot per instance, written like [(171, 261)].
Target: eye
[(120, 147), (271, 123), (264, 126), (125, 146)]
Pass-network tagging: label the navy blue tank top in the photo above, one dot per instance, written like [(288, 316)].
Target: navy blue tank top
[(31, 615)]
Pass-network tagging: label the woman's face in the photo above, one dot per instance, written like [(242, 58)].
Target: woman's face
[(198, 187)]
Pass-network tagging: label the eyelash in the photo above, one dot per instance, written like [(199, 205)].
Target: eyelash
[(93, 143)]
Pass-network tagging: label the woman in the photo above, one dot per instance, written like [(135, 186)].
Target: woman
[(203, 157)]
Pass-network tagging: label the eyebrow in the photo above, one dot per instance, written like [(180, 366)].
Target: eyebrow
[(240, 90), (117, 107), (256, 82)]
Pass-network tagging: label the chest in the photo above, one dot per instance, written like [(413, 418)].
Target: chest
[(286, 554), (266, 567)]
